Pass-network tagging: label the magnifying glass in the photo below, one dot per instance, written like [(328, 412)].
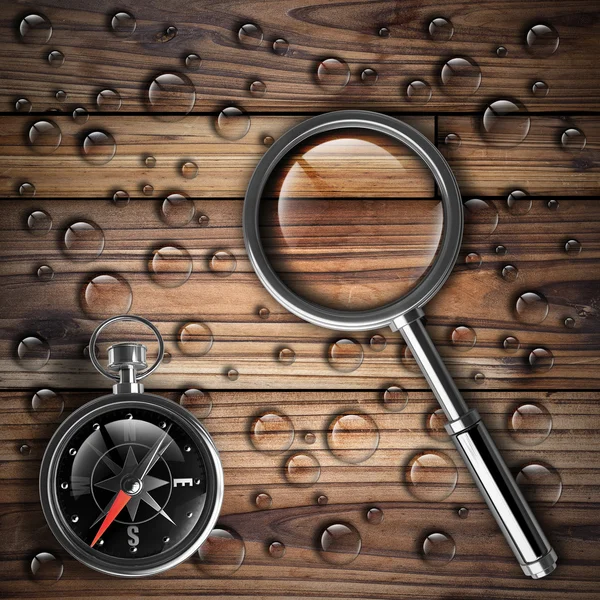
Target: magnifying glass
[(333, 242)]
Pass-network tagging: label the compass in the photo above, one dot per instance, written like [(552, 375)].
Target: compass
[(131, 483)]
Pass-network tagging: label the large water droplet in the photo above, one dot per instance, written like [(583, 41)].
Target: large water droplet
[(222, 553), (199, 403), (106, 295), (464, 337), (333, 74), (277, 549), (505, 123), (441, 29), (345, 355), (250, 35), (33, 353), (35, 29), (519, 202), (438, 549), (222, 263), (263, 501), (352, 437), (541, 360), (302, 469), (56, 59), (481, 216), (431, 476), (541, 484), (39, 222), (47, 406), (195, 339), (340, 543), (84, 240), (540, 89), (232, 123), (177, 210), (531, 307), (461, 76), (542, 40), (171, 91), (170, 266), (99, 147), (530, 424), (45, 137), (272, 432), (573, 139), (418, 92), (281, 47), (46, 568), (123, 24)]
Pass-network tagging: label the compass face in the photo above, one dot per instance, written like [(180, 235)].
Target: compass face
[(131, 484)]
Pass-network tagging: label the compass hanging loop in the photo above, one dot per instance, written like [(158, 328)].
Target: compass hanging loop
[(126, 360)]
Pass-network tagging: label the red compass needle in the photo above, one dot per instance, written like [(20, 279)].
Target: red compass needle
[(117, 506)]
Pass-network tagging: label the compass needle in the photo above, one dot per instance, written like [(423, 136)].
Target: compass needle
[(117, 506)]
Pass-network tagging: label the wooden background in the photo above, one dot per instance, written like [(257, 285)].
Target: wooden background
[(312, 390)]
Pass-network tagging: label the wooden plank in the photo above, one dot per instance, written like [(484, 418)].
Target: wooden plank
[(566, 283), (390, 563), (97, 59)]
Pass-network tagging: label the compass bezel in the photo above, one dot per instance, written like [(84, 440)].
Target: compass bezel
[(132, 567)]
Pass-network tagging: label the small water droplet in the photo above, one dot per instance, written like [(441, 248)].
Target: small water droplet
[(80, 116), (464, 337), (168, 34), (479, 378), (511, 344), (573, 140), (531, 307), (232, 374), (378, 343), (333, 74), (222, 553), (353, 437), (441, 29), (203, 221), (287, 356), (540, 89), (195, 339), (505, 123), (45, 137), (199, 403), (463, 512), (272, 432), (541, 360), (268, 141), (22, 105), (61, 95), (120, 198), (569, 322), (281, 47), (33, 353), (25, 450), (473, 261), (258, 89), (150, 161), (302, 469), (45, 273), (148, 190), (542, 40), (193, 62), (232, 123), (369, 76), (541, 484), (345, 355), (108, 100), (47, 406), (170, 266), (84, 240), (99, 147), (106, 295), (518, 202), (39, 222), (438, 549), (461, 76), (27, 190), (35, 29), (189, 170), (177, 210), (123, 24), (383, 32), (431, 476), (481, 216), (222, 263), (510, 273), (553, 204), (435, 424), (277, 550), (264, 313), (501, 51), (56, 59), (340, 543), (263, 501), (46, 568), (500, 250), (250, 35), (530, 424), (395, 398), (375, 516), (171, 91), (322, 500), (72, 451), (310, 438), (418, 92), (453, 141)]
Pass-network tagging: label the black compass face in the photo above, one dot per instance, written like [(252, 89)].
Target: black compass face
[(130, 483)]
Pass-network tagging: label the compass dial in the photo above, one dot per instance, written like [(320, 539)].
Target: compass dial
[(131, 484)]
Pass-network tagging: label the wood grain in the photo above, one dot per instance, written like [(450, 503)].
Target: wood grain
[(390, 561), (96, 59)]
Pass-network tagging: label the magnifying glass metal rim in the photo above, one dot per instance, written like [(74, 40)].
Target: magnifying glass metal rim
[(451, 235)]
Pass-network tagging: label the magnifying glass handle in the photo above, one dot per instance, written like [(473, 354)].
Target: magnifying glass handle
[(489, 471)]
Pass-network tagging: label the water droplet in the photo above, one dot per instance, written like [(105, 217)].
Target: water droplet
[(170, 266), (464, 338), (500, 250), (123, 24), (109, 100), (268, 141), (573, 140), (518, 202), (46, 568), (263, 501), (281, 47), (222, 553), (84, 241), (106, 295), (61, 95), (232, 123), (340, 543), (264, 313), (435, 424), (511, 344), (272, 432), (438, 549), (322, 500), (150, 161), (25, 450), (80, 116), (530, 424), (473, 261), (199, 403), (250, 35), (333, 74), (383, 32), (193, 62), (222, 263), (148, 190), (375, 516), (99, 147), (345, 355), (461, 76), (258, 89), (569, 322), (418, 92), (352, 437), (203, 221), (33, 353), (177, 210), (310, 438), (479, 378), (463, 512), (167, 35), (378, 343), (395, 398), (441, 29), (189, 170), (47, 406), (510, 273), (540, 89), (195, 339), (369, 76), (505, 123), (481, 216), (541, 484), (531, 307), (56, 59), (22, 105), (169, 91), (277, 550), (27, 190), (302, 469), (553, 204), (431, 476), (232, 374), (120, 198), (542, 40), (35, 29), (541, 360), (45, 137), (45, 273), (287, 356), (453, 141), (501, 51)]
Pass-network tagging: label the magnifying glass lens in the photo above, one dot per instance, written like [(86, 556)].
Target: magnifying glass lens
[(349, 220)]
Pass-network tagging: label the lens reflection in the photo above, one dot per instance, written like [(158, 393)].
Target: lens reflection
[(349, 220)]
